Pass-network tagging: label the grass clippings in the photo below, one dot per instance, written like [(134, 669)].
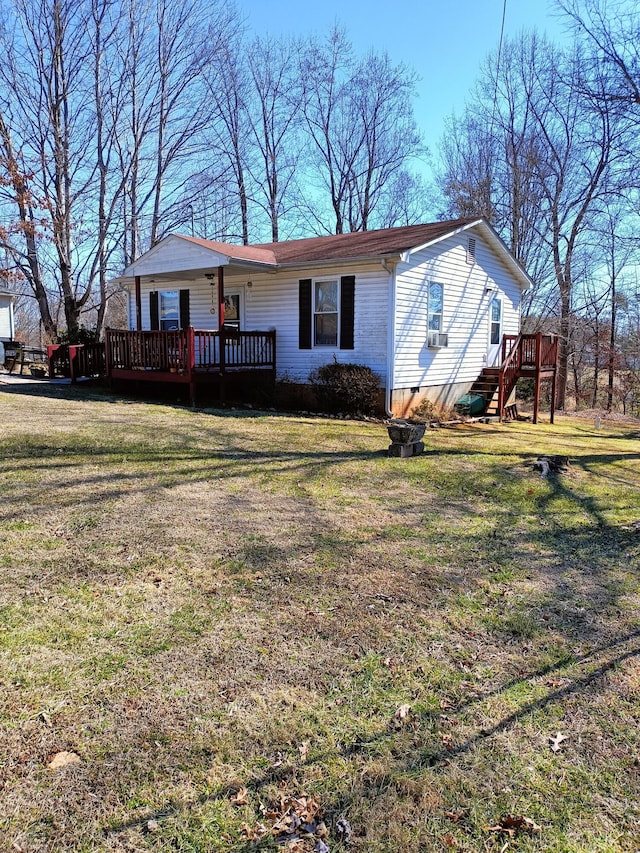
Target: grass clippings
[(256, 631)]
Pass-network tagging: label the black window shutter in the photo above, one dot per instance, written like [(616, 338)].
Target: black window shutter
[(154, 312), (184, 309), (304, 336), (347, 310)]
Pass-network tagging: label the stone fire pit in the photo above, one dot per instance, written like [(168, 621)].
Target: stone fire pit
[(406, 438)]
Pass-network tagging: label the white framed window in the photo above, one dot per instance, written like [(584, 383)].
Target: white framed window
[(169, 310), (436, 298), (326, 313), (496, 321)]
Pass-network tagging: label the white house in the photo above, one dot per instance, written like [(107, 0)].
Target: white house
[(7, 321), (425, 306)]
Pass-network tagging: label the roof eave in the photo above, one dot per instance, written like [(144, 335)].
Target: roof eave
[(492, 235), (380, 258)]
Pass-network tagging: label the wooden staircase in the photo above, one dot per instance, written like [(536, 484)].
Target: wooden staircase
[(523, 356), (486, 386)]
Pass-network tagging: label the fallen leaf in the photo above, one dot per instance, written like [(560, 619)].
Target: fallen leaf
[(241, 798), (511, 824), (63, 759), (457, 816), (321, 830), (253, 833), (556, 741), (343, 830), (303, 749)]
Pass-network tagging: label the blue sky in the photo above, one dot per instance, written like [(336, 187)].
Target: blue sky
[(444, 42)]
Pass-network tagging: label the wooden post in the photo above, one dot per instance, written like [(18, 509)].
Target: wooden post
[(107, 355), (72, 363), (221, 333), (191, 363), (138, 304), (220, 298)]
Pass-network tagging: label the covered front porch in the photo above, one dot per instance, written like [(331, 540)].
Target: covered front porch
[(186, 328), (196, 358)]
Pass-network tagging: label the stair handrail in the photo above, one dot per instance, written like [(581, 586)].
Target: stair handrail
[(509, 368)]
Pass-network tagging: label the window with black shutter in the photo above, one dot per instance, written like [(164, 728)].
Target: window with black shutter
[(184, 309), (154, 311), (327, 312)]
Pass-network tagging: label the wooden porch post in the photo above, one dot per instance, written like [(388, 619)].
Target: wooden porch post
[(221, 335), (138, 304), (107, 355), (536, 396), (191, 364), (220, 298)]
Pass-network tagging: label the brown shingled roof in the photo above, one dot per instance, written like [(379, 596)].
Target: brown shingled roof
[(357, 244), (360, 244), (260, 254)]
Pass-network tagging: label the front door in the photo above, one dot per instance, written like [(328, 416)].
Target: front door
[(494, 351), (233, 310)]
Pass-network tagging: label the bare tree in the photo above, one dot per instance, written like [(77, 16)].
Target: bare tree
[(103, 106), (46, 84), (274, 116), (562, 154), (228, 88), (359, 117), (611, 31)]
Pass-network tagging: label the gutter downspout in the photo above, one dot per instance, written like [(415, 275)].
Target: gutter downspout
[(391, 332)]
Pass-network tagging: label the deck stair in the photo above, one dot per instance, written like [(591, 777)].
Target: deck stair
[(531, 356), (486, 386)]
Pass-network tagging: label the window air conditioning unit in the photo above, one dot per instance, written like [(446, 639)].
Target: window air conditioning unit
[(437, 339)]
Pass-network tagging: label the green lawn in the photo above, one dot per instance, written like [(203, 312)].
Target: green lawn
[(251, 631)]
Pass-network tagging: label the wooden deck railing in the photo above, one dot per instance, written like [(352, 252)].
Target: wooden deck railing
[(215, 351), (189, 350), (183, 352), (154, 351), (525, 355), (76, 360)]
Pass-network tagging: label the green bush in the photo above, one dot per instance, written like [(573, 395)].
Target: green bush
[(350, 389), (84, 336)]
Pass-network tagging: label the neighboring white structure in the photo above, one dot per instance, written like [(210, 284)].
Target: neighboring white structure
[(425, 306), (7, 322)]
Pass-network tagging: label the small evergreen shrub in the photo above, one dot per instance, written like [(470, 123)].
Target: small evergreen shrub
[(350, 389), (84, 336)]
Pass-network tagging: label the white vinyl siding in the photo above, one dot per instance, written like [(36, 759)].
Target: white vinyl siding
[(272, 303), (7, 331), (465, 312)]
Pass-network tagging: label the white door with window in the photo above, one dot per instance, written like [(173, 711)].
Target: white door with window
[(233, 310), (494, 351)]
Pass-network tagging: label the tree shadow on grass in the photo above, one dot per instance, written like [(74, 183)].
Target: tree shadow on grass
[(589, 670)]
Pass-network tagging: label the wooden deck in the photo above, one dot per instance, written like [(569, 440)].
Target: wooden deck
[(193, 357), (527, 357)]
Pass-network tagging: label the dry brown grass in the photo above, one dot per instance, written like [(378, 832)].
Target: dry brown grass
[(201, 603)]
